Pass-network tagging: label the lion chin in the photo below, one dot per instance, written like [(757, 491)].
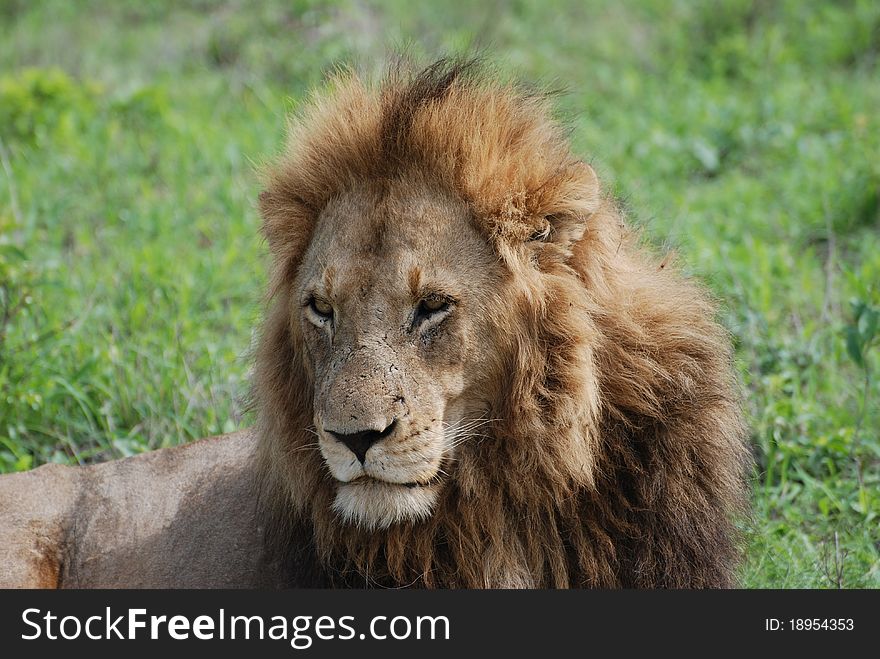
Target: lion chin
[(373, 504)]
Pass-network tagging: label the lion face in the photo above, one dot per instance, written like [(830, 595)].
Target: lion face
[(396, 330)]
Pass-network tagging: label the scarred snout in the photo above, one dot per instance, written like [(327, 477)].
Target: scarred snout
[(366, 426)]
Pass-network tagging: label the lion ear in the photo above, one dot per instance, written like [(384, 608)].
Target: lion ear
[(287, 226), (287, 220), (575, 198), (272, 212)]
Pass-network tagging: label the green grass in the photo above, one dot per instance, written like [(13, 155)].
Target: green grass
[(745, 135)]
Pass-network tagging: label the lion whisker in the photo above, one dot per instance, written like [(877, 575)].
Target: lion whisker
[(469, 423), (306, 447)]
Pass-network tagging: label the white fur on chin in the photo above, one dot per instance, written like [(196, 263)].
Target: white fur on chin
[(376, 505)]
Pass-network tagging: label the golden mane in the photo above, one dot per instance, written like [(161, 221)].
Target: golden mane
[(616, 457)]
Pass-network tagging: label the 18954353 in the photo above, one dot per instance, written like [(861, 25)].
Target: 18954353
[(809, 624)]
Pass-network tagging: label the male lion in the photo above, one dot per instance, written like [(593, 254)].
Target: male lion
[(470, 375)]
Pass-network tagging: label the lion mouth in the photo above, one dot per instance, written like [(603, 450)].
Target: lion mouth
[(365, 478)]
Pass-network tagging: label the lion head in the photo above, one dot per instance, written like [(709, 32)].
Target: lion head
[(471, 374)]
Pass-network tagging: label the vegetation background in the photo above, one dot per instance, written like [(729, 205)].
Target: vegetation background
[(743, 134)]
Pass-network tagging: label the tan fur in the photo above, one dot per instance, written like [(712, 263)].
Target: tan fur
[(182, 517), (607, 446)]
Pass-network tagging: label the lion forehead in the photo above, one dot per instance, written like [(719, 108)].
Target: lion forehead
[(400, 233)]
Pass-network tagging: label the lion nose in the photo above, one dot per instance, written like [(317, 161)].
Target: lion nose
[(360, 442)]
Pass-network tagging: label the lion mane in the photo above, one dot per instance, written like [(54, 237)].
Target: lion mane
[(616, 454)]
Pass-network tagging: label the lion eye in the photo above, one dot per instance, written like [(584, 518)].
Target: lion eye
[(321, 307), (432, 306)]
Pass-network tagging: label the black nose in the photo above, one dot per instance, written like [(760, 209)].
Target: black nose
[(359, 442)]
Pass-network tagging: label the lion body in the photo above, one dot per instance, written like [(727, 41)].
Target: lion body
[(605, 445), (174, 518)]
